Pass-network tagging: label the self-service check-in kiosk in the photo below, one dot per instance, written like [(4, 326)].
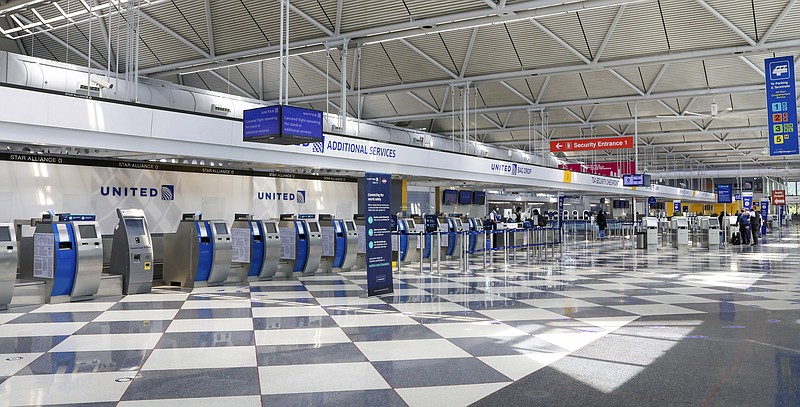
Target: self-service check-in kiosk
[(67, 253), (455, 227), (132, 252), (361, 255), (301, 245), (709, 232), (195, 255), (256, 248), (475, 226), (347, 244), (409, 241), (680, 231), (650, 226), (8, 264)]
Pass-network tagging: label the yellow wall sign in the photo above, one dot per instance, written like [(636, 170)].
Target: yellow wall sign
[(567, 177)]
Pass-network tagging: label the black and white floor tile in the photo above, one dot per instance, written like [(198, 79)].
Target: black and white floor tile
[(439, 339)]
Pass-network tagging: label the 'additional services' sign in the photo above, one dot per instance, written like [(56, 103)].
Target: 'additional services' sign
[(282, 125), (589, 144), (781, 106), (377, 197), (724, 193)]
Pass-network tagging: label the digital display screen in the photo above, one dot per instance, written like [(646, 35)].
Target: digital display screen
[(350, 225), (313, 227), (411, 225), (282, 125), (86, 231), (271, 227), (5, 234), (221, 228), (135, 227), (636, 180), (465, 197), (450, 197), (479, 198), (458, 223)]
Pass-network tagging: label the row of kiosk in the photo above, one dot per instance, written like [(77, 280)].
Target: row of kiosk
[(706, 232), (63, 254)]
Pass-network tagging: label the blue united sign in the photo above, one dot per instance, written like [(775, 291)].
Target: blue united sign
[(781, 106), (724, 193), (378, 213)]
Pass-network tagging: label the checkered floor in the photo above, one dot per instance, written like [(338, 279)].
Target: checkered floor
[(448, 339)]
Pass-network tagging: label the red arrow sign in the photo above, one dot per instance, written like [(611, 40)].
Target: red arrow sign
[(779, 197), (608, 143)]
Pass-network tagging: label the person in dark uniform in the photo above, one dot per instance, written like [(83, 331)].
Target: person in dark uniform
[(602, 224)]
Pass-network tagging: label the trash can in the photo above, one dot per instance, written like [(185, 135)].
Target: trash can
[(641, 239)]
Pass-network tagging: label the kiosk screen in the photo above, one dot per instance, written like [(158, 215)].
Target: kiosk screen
[(411, 225), (222, 228), (135, 227), (271, 228), (5, 234), (351, 226), (86, 231), (313, 227)]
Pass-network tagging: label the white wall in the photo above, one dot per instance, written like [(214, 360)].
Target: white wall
[(29, 189)]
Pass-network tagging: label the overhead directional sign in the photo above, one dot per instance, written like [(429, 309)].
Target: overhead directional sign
[(779, 197), (589, 144), (781, 106)]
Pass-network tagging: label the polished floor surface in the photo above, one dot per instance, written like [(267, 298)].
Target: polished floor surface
[(598, 323)]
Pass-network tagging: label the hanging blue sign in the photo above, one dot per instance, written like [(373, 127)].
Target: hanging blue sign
[(764, 216), (377, 202), (284, 125), (737, 197), (724, 193), (781, 106), (652, 201), (676, 206), (747, 202)]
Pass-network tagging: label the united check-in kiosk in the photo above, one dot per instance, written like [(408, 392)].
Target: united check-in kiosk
[(680, 231), (66, 251), (198, 254), (709, 232), (256, 248), (409, 241), (339, 244), (455, 229), (475, 226), (650, 226), (8, 264), (132, 252), (301, 245)]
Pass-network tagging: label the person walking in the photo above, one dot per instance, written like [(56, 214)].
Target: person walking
[(601, 223), (744, 226)]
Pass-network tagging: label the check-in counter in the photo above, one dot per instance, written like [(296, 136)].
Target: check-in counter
[(132, 252), (301, 245), (680, 231), (256, 248), (66, 252)]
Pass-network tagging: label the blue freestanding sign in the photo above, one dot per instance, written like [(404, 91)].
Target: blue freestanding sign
[(378, 225), (652, 201), (561, 199), (781, 106), (676, 206), (747, 202), (724, 193), (764, 216)]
